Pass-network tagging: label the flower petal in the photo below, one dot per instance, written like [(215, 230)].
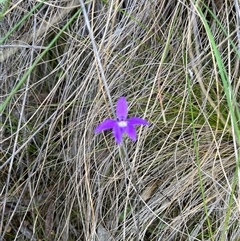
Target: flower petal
[(137, 121), (105, 125), (131, 132), (122, 108), (118, 133)]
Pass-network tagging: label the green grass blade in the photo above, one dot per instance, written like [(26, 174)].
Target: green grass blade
[(234, 112), (28, 72), (20, 22)]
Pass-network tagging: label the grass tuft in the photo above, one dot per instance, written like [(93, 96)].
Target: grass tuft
[(63, 66)]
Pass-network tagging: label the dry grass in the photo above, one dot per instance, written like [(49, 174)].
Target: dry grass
[(60, 181)]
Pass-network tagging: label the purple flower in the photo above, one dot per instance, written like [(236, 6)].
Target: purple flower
[(122, 124)]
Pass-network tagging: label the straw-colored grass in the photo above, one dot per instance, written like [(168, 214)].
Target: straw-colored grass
[(64, 64)]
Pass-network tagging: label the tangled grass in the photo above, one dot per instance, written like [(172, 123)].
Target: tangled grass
[(63, 66)]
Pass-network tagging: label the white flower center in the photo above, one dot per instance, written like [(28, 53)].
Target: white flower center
[(122, 123)]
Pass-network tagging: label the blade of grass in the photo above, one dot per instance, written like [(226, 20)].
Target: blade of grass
[(196, 149), (5, 7), (97, 56), (234, 113), (20, 22), (235, 48), (28, 72)]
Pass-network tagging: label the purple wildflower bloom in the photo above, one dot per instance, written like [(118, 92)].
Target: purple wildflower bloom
[(122, 124)]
